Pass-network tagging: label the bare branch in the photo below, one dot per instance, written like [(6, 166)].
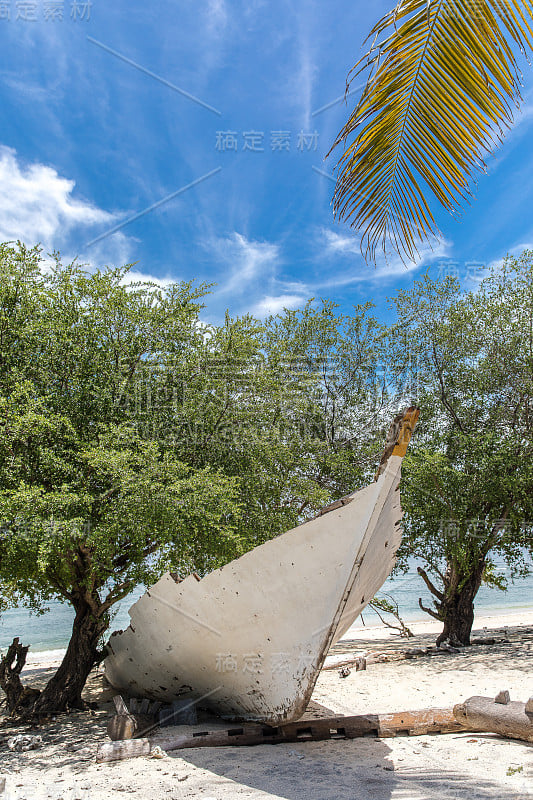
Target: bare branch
[(428, 610), (431, 586)]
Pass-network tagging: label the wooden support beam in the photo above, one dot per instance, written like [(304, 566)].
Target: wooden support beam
[(413, 723), (485, 714), (120, 706), (119, 751), (140, 719), (130, 726)]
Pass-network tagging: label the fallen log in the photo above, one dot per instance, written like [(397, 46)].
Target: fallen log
[(484, 714), (341, 661), (412, 723), (375, 657)]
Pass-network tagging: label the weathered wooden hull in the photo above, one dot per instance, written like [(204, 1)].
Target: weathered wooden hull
[(249, 639)]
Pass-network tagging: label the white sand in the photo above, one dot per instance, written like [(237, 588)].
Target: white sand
[(473, 767), (429, 626)]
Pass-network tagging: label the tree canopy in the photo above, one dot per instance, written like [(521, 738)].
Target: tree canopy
[(468, 479)]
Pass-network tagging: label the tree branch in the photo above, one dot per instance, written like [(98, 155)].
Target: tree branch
[(431, 586), (428, 610), (443, 395)]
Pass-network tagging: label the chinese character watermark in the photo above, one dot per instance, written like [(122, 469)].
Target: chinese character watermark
[(53, 11), (227, 140), (280, 140), (307, 141), (254, 141), (46, 10)]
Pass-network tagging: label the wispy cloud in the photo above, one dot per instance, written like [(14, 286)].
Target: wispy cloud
[(253, 271), (153, 75), (246, 261), (162, 201), (305, 79), (216, 17), (345, 246), (514, 251), (252, 281)]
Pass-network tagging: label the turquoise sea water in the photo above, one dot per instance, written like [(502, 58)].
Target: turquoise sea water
[(50, 632), (407, 589)]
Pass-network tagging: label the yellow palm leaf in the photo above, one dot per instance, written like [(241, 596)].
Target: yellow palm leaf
[(442, 86)]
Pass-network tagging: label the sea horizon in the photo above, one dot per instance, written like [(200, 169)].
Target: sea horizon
[(49, 633)]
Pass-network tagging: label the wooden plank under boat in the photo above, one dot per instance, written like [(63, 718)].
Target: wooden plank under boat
[(249, 639)]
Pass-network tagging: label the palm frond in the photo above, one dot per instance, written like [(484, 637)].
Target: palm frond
[(443, 83)]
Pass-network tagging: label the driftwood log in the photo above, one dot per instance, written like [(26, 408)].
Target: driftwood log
[(413, 723), (484, 714), (380, 657)]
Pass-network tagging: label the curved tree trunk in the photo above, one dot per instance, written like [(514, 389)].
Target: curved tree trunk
[(64, 689)]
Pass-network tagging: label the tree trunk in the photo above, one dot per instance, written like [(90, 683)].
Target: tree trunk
[(64, 689), (457, 611), (16, 694)]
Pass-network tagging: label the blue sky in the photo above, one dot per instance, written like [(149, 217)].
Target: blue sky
[(118, 107)]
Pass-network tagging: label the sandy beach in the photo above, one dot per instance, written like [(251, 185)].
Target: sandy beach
[(473, 766)]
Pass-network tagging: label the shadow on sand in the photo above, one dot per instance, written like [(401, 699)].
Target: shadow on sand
[(359, 769)]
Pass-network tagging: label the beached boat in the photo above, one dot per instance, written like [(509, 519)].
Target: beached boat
[(250, 638)]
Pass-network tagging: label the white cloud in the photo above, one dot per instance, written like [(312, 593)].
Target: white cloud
[(300, 73), (134, 276), (337, 245), (38, 205), (273, 305), (305, 80), (249, 271), (515, 251), (248, 262), (217, 16)]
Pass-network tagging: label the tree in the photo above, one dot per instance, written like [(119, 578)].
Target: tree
[(275, 405), (89, 508), (135, 439), (468, 479), (442, 81)]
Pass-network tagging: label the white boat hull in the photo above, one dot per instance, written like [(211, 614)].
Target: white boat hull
[(249, 639)]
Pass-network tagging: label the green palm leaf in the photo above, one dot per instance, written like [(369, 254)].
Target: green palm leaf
[(442, 86)]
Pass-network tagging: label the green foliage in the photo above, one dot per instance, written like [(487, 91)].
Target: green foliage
[(89, 507), (136, 439), (468, 478)]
